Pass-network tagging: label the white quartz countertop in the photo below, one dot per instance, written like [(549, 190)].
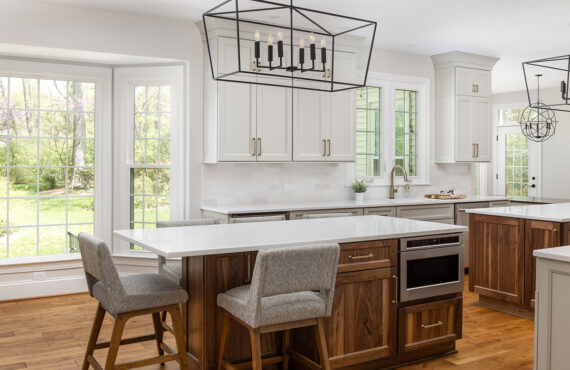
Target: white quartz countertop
[(231, 238), (558, 253), (545, 212), (340, 204)]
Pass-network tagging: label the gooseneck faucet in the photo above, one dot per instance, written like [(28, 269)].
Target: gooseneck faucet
[(392, 190)]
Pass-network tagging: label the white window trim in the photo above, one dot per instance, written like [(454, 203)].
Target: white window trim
[(103, 136), (125, 80), (389, 83), (496, 182)]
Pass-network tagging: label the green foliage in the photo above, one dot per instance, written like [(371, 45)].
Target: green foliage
[(359, 186), (50, 177)]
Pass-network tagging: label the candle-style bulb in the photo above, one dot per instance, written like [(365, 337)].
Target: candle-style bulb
[(279, 35), (323, 43), (270, 39), (312, 38), (257, 36), (302, 43)]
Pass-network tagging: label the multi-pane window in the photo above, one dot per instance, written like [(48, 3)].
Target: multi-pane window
[(150, 172), (516, 164), (47, 155), (406, 133), (510, 116), (368, 131)]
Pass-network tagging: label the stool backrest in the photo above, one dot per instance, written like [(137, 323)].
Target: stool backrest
[(326, 215), (295, 270), (243, 220), (98, 264), (181, 223)]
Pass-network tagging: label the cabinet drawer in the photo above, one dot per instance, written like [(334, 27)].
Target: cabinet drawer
[(426, 213), (381, 211), (429, 324), (499, 203), (368, 255), (299, 214)]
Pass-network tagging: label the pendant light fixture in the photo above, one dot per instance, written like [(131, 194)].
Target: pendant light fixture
[(538, 120), (281, 44), (559, 65)]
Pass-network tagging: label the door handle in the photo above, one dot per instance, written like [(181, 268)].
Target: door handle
[(324, 147), (254, 148), (533, 186), (439, 323), (396, 288), (329, 141), (259, 141)]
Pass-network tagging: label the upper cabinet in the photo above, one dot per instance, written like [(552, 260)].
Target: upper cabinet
[(463, 107), (260, 123)]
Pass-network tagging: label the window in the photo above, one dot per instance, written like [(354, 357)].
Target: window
[(406, 130), (149, 103), (392, 128), (368, 131), (516, 165), (48, 155)]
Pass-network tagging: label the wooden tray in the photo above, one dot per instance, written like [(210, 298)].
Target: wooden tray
[(439, 196)]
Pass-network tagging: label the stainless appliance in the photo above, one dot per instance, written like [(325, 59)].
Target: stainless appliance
[(431, 266)]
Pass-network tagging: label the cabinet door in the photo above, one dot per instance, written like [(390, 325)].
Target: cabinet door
[(482, 82), (362, 326), (538, 235), (464, 81), (482, 127), (274, 123), (464, 141), (496, 263), (308, 133)]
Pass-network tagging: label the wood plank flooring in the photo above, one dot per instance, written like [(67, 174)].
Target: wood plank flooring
[(52, 333)]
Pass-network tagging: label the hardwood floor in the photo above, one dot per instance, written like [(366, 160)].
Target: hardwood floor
[(52, 333)]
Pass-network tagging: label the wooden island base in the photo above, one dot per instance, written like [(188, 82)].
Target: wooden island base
[(368, 328)]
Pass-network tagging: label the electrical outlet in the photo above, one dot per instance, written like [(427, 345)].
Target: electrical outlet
[(40, 275)]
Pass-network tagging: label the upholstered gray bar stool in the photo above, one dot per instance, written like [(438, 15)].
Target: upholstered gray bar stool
[(127, 297), (290, 288), (173, 271), (243, 220), (326, 215)]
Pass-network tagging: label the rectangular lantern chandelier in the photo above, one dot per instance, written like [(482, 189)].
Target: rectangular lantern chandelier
[(551, 70), (271, 43)]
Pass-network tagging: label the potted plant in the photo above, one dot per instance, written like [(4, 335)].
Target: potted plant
[(359, 187)]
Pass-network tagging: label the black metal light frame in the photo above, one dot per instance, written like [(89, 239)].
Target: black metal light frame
[(562, 107), (292, 68)]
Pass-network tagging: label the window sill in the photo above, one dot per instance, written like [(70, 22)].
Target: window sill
[(40, 259)]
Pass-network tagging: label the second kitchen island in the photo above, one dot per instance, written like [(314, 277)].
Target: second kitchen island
[(397, 298), (502, 240)]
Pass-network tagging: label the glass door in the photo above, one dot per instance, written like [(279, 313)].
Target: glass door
[(519, 163)]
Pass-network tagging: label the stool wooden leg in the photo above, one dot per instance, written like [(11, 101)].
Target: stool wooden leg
[(158, 331), (226, 327), (95, 330), (322, 344), (285, 348), (176, 317), (255, 349), (120, 322)]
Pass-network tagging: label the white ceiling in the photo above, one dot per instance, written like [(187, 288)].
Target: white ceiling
[(514, 30)]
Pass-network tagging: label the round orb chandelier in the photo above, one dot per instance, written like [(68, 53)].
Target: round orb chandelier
[(538, 120)]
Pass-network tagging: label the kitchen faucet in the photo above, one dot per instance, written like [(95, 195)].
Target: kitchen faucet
[(392, 190)]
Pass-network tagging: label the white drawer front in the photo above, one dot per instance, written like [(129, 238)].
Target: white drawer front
[(500, 203), (381, 211), (299, 214)]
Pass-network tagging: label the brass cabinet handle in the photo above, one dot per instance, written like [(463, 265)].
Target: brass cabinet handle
[(324, 147), (369, 255), (555, 230), (396, 289), (329, 141), (475, 88), (254, 148), (439, 323), (328, 73), (473, 150), (477, 150), (259, 141)]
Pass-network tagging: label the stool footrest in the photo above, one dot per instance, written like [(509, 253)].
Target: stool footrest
[(247, 364), (305, 360), (142, 338)]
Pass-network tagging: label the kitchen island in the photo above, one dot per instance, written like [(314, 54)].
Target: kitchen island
[(377, 319), (502, 240)]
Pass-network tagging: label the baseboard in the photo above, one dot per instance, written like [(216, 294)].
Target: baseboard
[(41, 288)]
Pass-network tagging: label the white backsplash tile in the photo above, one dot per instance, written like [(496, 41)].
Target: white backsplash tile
[(262, 183)]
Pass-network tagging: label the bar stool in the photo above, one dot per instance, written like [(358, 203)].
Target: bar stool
[(290, 288), (173, 271), (127, 297), (243, 220), (326, 215)]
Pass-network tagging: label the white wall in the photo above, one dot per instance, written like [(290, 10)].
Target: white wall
[(264, 183), (555, 151)]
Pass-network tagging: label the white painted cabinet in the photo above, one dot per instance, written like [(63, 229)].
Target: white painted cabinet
[(274, 124), (463, 107)]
